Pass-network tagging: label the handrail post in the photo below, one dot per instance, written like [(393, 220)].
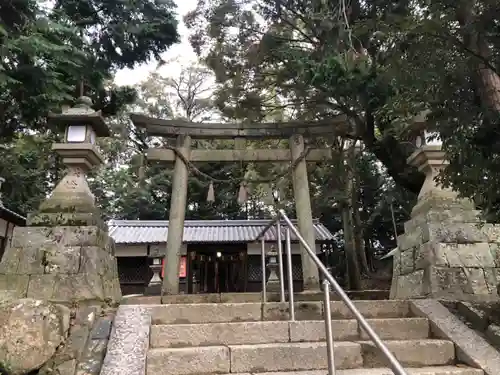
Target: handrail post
[(393, 362), (263, 256), (290, 273), (280, 260), (328, 328)]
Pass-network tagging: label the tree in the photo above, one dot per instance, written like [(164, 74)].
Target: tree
[(320, 69), (30, 170), (185, 96), (128, 188), (378, 62), (125, 192), (352, 197), (466, 106), (52, 53)]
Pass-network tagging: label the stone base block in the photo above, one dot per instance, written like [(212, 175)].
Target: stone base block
[(273, 286), (446, 206), (447, 283), (447, 253), (63, 264), (153, 290)]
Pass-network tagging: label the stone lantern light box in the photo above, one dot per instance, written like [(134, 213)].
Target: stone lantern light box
[(426, 138), (80, 134), (81, 125)]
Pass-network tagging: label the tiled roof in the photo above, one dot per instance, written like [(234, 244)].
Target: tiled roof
[(11, 216), (200, 231)]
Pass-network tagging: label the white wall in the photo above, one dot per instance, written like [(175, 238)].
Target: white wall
[(6, 231), (133, 250), (125, 250), (3, 227), (11, 230), (255, 248)]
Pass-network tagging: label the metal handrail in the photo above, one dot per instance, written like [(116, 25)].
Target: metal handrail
[(396, 367)]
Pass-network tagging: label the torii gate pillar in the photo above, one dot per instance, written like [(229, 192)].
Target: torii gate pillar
[(177, 214), (300, 181)]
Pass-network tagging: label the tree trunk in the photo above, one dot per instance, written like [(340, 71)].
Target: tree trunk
[(357, 225), (393, 154), (359, 241), (352, 264), (487, 81), (351, 254)]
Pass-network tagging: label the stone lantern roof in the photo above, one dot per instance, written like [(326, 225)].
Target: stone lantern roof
[(81, 114)]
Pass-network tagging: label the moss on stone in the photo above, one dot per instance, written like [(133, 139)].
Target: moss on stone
[(76, 219)]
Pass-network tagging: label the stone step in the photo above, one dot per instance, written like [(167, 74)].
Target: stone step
[(293, 357), (250, 358), (411, 353), (238, 312), (348, 329), (248, 297), (184, 335), (431, 370)]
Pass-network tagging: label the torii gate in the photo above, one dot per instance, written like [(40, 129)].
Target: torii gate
[(184, 131)]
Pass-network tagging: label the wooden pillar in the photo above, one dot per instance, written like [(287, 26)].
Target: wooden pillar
[(189, 272), (304, 214), (176, 219)]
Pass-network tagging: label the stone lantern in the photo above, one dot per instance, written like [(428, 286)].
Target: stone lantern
[(72, 199), (429, 158), (154, 285), (65, 254), (443, 253), (273, 282)]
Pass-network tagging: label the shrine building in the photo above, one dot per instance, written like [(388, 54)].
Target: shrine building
[(217, 256), (8, 221)]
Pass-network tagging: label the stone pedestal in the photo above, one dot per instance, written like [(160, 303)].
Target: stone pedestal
[(63, 264), (445, 253)]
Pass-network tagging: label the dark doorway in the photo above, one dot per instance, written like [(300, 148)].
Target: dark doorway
[(217, 270)]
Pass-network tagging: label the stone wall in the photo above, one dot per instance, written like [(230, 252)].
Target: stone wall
[(483, 317), (62, 264), (83, 352), (447, 254)]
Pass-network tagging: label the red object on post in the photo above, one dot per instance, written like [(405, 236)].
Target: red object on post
[(182, 267)]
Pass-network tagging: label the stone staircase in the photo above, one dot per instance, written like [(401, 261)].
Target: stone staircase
[(248, 338)]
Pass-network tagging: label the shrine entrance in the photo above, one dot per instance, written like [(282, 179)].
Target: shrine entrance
[(220, 271), (185, 157)]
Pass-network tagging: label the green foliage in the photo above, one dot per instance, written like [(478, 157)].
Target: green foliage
[(320, 59), (121, 33), (30, 170), (123, 194), (51, 53), (378, 62)]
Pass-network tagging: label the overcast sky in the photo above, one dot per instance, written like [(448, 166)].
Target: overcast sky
[(182, 51)]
